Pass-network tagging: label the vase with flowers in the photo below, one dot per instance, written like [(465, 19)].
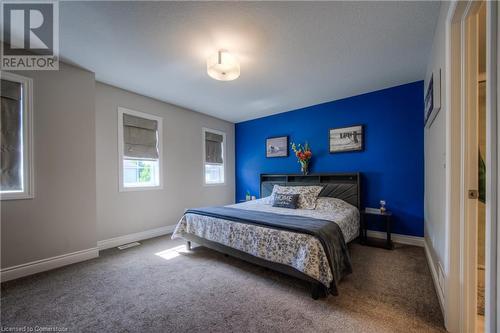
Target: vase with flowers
[(304, 154)]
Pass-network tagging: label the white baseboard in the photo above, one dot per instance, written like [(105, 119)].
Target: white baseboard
[(14, 272), (435, 277), (117, 241), (397, 238)]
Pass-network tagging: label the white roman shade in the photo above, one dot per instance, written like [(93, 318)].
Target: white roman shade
[(140, 137), (11, 136), (213, 148)]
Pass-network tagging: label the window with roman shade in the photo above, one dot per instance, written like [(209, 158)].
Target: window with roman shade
[(140, 150), (213, 148), (15, 141), (11, 140), (140, 137), (214, 143)]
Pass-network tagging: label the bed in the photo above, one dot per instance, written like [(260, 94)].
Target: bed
[(309, 244)]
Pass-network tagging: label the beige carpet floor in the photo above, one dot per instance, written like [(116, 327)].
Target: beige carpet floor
[(159, 287)]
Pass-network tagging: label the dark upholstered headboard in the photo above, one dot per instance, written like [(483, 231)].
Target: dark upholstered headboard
[(345, 186)]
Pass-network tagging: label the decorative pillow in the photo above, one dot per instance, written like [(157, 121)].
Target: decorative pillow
[(329, 204), (286, 200), (307, 194)]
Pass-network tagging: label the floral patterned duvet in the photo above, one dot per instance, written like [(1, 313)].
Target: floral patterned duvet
[(300, 251)]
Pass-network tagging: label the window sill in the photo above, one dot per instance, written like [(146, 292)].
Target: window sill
[(139, 189), (214, 184), (16, 196)]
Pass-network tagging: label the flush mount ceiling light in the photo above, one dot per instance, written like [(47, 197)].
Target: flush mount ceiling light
[(223, 66)]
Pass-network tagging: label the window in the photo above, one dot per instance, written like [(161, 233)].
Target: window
[(139, 148), (137, 173), (16, 157), (214, 150)]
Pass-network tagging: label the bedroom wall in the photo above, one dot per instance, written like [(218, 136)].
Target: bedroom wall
[(435, 154), (392, 164), (123, 213), (61, 219)]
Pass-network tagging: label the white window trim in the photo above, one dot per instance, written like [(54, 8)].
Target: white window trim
[(121, 188), (224, 155), (28, 148)]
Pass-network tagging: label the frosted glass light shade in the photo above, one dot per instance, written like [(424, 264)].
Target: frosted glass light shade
[(223, 66)]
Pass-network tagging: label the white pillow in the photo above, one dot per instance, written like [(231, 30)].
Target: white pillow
[(307, 194), (268, 200)]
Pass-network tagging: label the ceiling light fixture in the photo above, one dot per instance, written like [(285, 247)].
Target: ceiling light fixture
[(223, 66)]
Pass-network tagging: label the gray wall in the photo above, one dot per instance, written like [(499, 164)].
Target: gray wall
[(435, 153), (62, 217), (122, 213)]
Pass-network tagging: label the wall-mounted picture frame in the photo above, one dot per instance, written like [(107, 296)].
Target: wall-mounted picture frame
[(346, 139), (277, 146), (429, 100), (432, 99)]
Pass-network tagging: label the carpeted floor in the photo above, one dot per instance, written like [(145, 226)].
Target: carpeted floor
[(159, 287)]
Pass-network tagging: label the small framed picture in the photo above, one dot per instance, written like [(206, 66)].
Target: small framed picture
[(432, 99), (346, 139), (277, 146), (429, 100)]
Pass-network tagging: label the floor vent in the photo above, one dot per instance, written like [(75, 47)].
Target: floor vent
[(129, 245)]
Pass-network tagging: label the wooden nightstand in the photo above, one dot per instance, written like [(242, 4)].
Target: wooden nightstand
[(376, 213)]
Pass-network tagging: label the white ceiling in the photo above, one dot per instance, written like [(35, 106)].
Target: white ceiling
[(292, 54)]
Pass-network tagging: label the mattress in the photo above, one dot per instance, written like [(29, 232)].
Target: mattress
[(301, 251)]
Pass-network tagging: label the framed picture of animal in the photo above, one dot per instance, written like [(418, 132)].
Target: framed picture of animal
[(277, 146)]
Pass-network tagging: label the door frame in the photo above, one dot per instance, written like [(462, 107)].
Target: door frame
[(492, 258), (460, 312)]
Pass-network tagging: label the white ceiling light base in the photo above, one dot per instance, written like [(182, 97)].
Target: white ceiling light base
[(223, 66)]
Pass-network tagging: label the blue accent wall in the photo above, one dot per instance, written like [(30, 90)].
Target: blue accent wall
[(392, 163)]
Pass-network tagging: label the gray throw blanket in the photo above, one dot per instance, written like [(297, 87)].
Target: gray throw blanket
[(327, 232)]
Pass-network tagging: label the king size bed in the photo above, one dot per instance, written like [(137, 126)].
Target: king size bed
[(307, 240)]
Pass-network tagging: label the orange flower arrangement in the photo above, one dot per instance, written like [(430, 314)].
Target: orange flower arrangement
[(304, 154)]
